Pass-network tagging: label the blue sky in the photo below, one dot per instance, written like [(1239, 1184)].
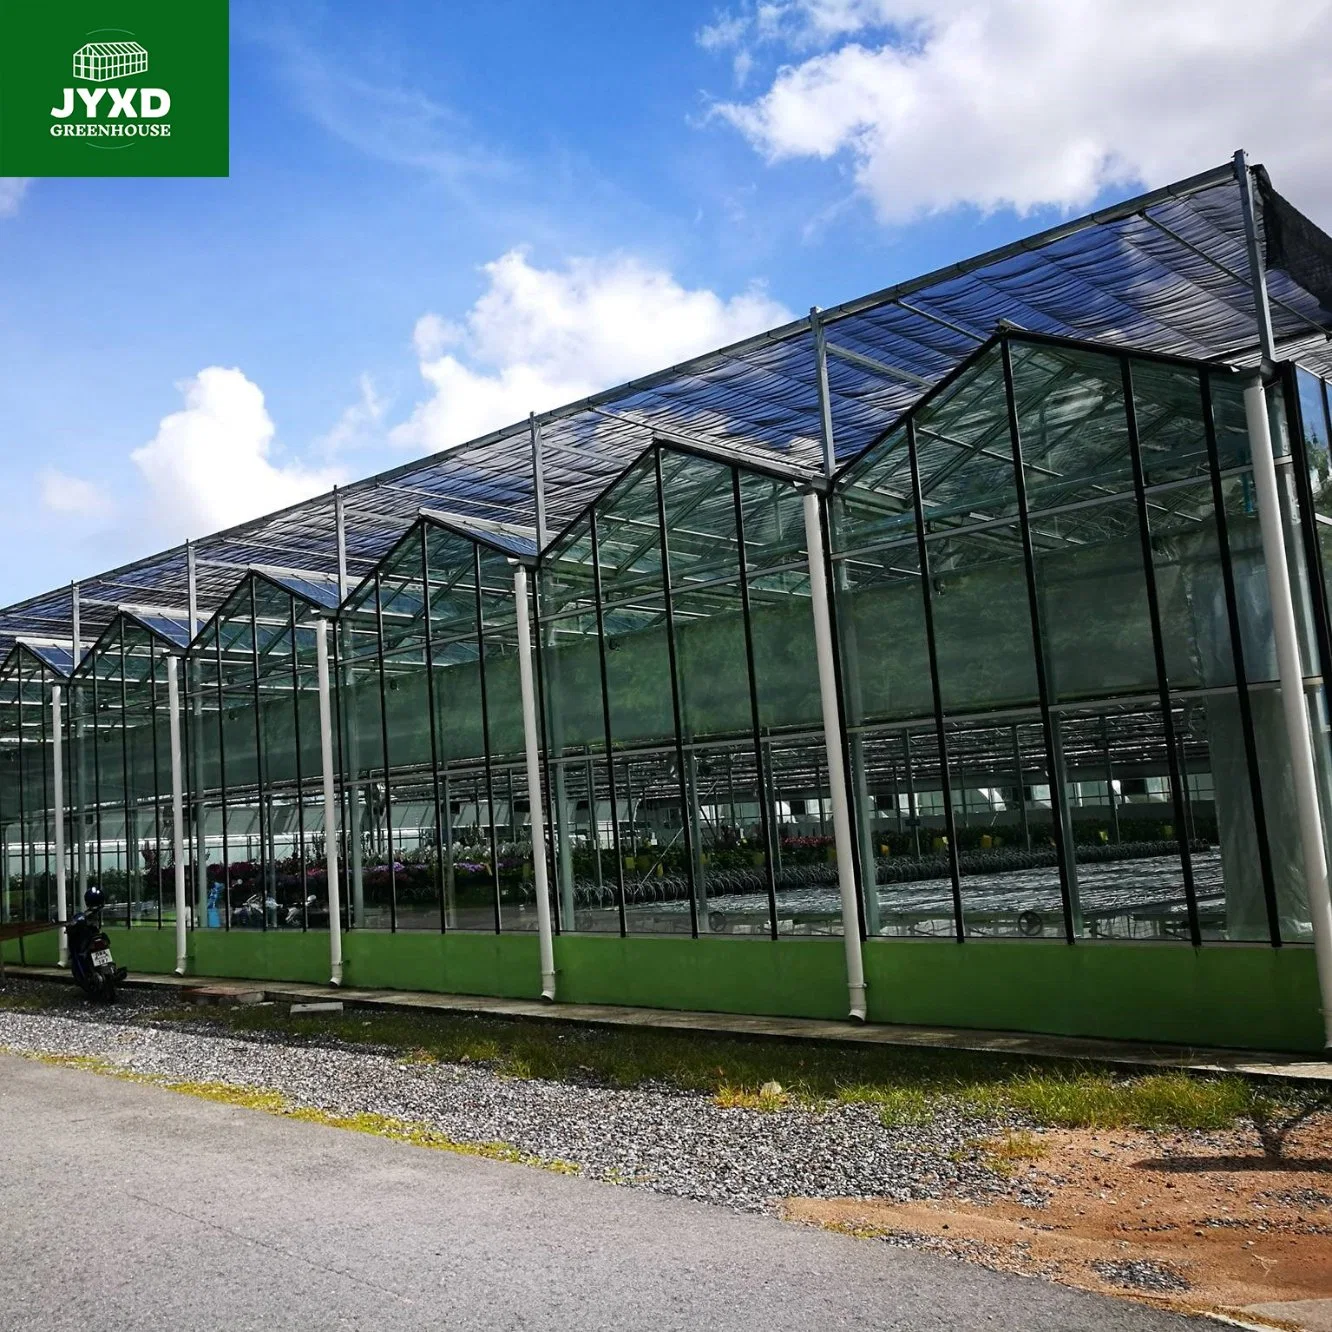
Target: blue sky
[(440, 217)]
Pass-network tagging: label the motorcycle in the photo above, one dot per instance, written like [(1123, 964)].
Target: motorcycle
[(253, 913), (90, 960), (312, 914)]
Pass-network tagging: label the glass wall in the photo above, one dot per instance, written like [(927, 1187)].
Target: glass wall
[(1308, 410), (120, 769), (1060, 684), (432, 737), (253, 767), (688, 771), (27, 791), (1055, 665)]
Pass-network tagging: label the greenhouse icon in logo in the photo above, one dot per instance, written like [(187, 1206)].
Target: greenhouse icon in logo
[(104, 62)]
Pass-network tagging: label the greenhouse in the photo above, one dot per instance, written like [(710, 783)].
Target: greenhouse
[(954, 656)]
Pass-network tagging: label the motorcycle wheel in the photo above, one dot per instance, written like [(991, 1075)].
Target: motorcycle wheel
[(108, 990)]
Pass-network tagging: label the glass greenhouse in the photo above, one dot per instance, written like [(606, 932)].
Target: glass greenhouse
[(955, 656)]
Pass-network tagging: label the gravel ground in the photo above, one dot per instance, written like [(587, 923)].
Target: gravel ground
[(651, 1136)]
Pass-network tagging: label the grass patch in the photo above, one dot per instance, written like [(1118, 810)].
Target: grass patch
[(769, 1098), (907, 1085), (1100, 1099), (275, 1103), (380, 1126), (84, 1063), (1005, 1154), (899, 1107)]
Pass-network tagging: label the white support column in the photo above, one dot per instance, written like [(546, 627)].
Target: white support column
[(198, 817), (177, 813), (832, 740), (58, 782), (532, 744), (76, 752), (330, 804), (862, 810), (1291, 677)]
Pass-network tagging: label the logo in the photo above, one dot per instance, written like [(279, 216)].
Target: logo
[(81, 98), (102, 63)]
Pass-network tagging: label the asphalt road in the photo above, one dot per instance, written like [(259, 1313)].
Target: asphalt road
[(127, 1207)]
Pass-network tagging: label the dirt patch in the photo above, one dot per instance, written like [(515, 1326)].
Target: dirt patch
[(1218, 1221)]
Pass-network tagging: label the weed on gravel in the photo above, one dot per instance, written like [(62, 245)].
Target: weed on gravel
[(907, 1087)]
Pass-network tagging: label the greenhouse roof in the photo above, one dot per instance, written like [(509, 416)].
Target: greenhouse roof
[(111, 49), (1164, 272), (321, 591), (511, 538), (169, 630), (55, 656), (175, 629)]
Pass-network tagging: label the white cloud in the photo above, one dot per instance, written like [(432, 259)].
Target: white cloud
[(535, 339), (726, 30), (12, 190), (432, 334), (538, 338), (72, 495), (212, 464), (359, 424), (1027, 103), (366, 104)]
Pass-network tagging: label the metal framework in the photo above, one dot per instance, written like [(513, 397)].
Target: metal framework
[(921, 616), (1166, 271)]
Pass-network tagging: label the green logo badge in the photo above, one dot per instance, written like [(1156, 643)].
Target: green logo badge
[(145, 98)]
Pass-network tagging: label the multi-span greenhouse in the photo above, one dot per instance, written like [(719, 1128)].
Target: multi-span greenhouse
[(953, 656)]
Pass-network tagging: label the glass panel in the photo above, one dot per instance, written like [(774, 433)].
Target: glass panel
[(790, 712), (400, 861), (914, 893), (1113, 768), (1313, 419), (511, 874), (1005, 822), (254, 824), (639, 698), (27, 866)]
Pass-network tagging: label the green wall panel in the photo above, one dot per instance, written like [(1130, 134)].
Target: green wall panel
[(151, 950), (787, 977), (456, 963), (453, 963), (260, 955), (34, 950), (1246, 996), (1241, 996)]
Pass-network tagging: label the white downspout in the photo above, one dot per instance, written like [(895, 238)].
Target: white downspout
[(545, 939), (832, 741), (58, 780), (177, 813), (330, 804), (1291, 677)]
